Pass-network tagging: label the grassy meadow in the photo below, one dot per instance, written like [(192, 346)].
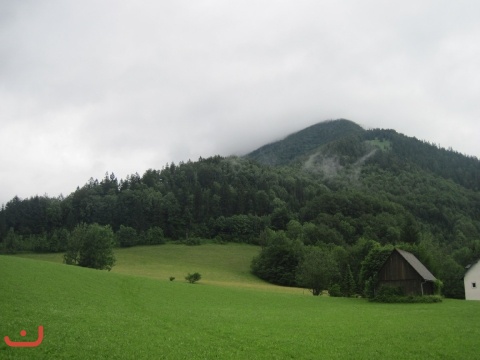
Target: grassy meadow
[(134, 311), (226, 265)]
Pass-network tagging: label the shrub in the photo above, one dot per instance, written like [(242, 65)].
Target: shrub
[(172, 278), (370, 265), (390, 294), (410, 299), (335, 290), (193, 278), (155, 236), (126, 236), (438, 287), (219, 240), (193, 241)]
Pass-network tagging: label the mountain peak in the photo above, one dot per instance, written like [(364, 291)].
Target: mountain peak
[(331, 146), (303, 142)]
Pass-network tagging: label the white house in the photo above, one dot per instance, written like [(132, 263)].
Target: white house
[(472, 282)]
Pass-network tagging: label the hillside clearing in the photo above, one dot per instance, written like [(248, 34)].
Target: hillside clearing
[(225, 265)]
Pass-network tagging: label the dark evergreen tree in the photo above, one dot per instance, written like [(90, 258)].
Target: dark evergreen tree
[(12, 242), (348, 285)]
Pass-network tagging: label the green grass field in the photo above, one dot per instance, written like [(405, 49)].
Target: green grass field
[(229, 315), (226, 265)]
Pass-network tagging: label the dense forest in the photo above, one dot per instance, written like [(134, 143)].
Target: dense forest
[(333, 185)]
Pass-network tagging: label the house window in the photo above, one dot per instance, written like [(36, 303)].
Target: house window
[(474, 285)]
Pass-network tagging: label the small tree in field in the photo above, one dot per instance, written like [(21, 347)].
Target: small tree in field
[(91, 246), (193, 278), (317, 271), (155, 236), (126, 236)]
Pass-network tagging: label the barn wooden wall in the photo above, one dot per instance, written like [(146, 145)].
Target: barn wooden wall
[(398, 272)]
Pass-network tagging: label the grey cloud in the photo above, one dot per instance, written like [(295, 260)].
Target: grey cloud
[(94, 86)]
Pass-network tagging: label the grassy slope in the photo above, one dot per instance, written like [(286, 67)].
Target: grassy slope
[(227, 265), (89, 313)]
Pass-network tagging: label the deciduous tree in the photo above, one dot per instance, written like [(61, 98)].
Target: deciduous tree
[(91, 246), (318, 270)]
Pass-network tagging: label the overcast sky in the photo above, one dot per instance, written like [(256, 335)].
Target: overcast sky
[(93, 86)]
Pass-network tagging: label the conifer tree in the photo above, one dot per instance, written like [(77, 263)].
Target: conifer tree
[(348, 283)]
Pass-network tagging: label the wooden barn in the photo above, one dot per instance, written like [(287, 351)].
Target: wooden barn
[(472, 281), (403, 269)]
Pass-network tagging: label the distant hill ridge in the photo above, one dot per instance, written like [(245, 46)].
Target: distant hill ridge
[(302, 142), (342, 142)]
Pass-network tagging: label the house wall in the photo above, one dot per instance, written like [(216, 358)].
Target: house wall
[(397, 272), (472, 277)]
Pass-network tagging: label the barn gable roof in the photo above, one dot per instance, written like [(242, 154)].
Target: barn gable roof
[(417, 265)]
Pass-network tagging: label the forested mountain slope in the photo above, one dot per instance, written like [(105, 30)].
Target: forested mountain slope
[(345, 143), (303, 142), (332, 185)]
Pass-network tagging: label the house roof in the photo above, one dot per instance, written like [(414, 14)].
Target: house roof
[(470, 266), (417, 265)]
